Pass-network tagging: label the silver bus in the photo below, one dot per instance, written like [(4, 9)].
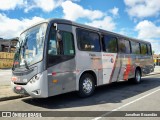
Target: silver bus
[(58, 56)]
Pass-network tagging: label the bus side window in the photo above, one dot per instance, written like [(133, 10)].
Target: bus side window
[(52, 44), (124, 46), (143, 49), (149, 49), (63, 47), (135, 47), (88, 41), (52, 47), (110, 44)]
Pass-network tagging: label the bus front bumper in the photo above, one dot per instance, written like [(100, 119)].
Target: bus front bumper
[(37, 89)]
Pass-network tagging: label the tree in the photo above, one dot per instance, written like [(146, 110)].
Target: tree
[(153, 52)]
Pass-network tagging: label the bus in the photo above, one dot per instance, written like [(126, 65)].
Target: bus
[(57, 56)]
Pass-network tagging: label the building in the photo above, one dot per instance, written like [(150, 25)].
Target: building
[(7, 49), (8, 45)]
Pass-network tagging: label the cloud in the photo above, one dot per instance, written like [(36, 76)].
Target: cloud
[(13, 27), (10, 4), (147, 30), (97, 18), (27, 5), (114, 11), (106, 23), (142, 8), (126, 32), (46, 6), (73, 11)]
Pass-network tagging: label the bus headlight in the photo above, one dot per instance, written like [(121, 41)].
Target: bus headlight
[(35, 78)]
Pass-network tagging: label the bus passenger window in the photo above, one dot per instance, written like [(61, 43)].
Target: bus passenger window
[(124, 46), (135, 47), (110, 44), (149, 49), (88, 41), (143, 49)]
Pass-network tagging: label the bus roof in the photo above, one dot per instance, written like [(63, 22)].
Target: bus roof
[(69, 22)]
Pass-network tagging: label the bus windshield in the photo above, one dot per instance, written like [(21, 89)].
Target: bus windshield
[(30, 47)]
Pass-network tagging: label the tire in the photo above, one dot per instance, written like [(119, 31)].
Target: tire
[(137, 77), (86, 85)]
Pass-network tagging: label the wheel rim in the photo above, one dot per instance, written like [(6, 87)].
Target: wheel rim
[(138, 76), (87, 85)]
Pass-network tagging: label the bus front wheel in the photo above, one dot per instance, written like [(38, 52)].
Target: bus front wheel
[(86, 85)]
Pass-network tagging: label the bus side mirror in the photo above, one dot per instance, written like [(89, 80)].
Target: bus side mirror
[(59, 36)]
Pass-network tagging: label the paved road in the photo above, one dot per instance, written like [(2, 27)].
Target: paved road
[(121, 96), (5, 77)]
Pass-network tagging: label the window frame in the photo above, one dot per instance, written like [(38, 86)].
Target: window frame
[(91, 31), (61, 57), (62, 40), (150, 48), (73, 43), (124, 39), (104, 45), (138, 47), (141, 48)]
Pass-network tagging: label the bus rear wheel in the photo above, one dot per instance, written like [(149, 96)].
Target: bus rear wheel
[(137, 77), (86, 85)]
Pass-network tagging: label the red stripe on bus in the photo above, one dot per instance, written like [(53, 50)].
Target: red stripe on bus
[(128, 70)]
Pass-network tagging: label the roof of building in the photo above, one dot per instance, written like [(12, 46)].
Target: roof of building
[(8, 42), (156, 56)]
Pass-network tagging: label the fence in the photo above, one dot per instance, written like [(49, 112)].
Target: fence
[(6, 59)]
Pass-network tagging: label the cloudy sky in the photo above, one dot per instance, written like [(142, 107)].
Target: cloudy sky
[(134, 18)]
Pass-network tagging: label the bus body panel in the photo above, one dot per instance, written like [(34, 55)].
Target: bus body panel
[(88, 61), (125, 67), (146, 64), (110, 67), (62, 78)]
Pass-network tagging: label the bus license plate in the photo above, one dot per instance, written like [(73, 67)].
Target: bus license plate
[(18, 87)]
